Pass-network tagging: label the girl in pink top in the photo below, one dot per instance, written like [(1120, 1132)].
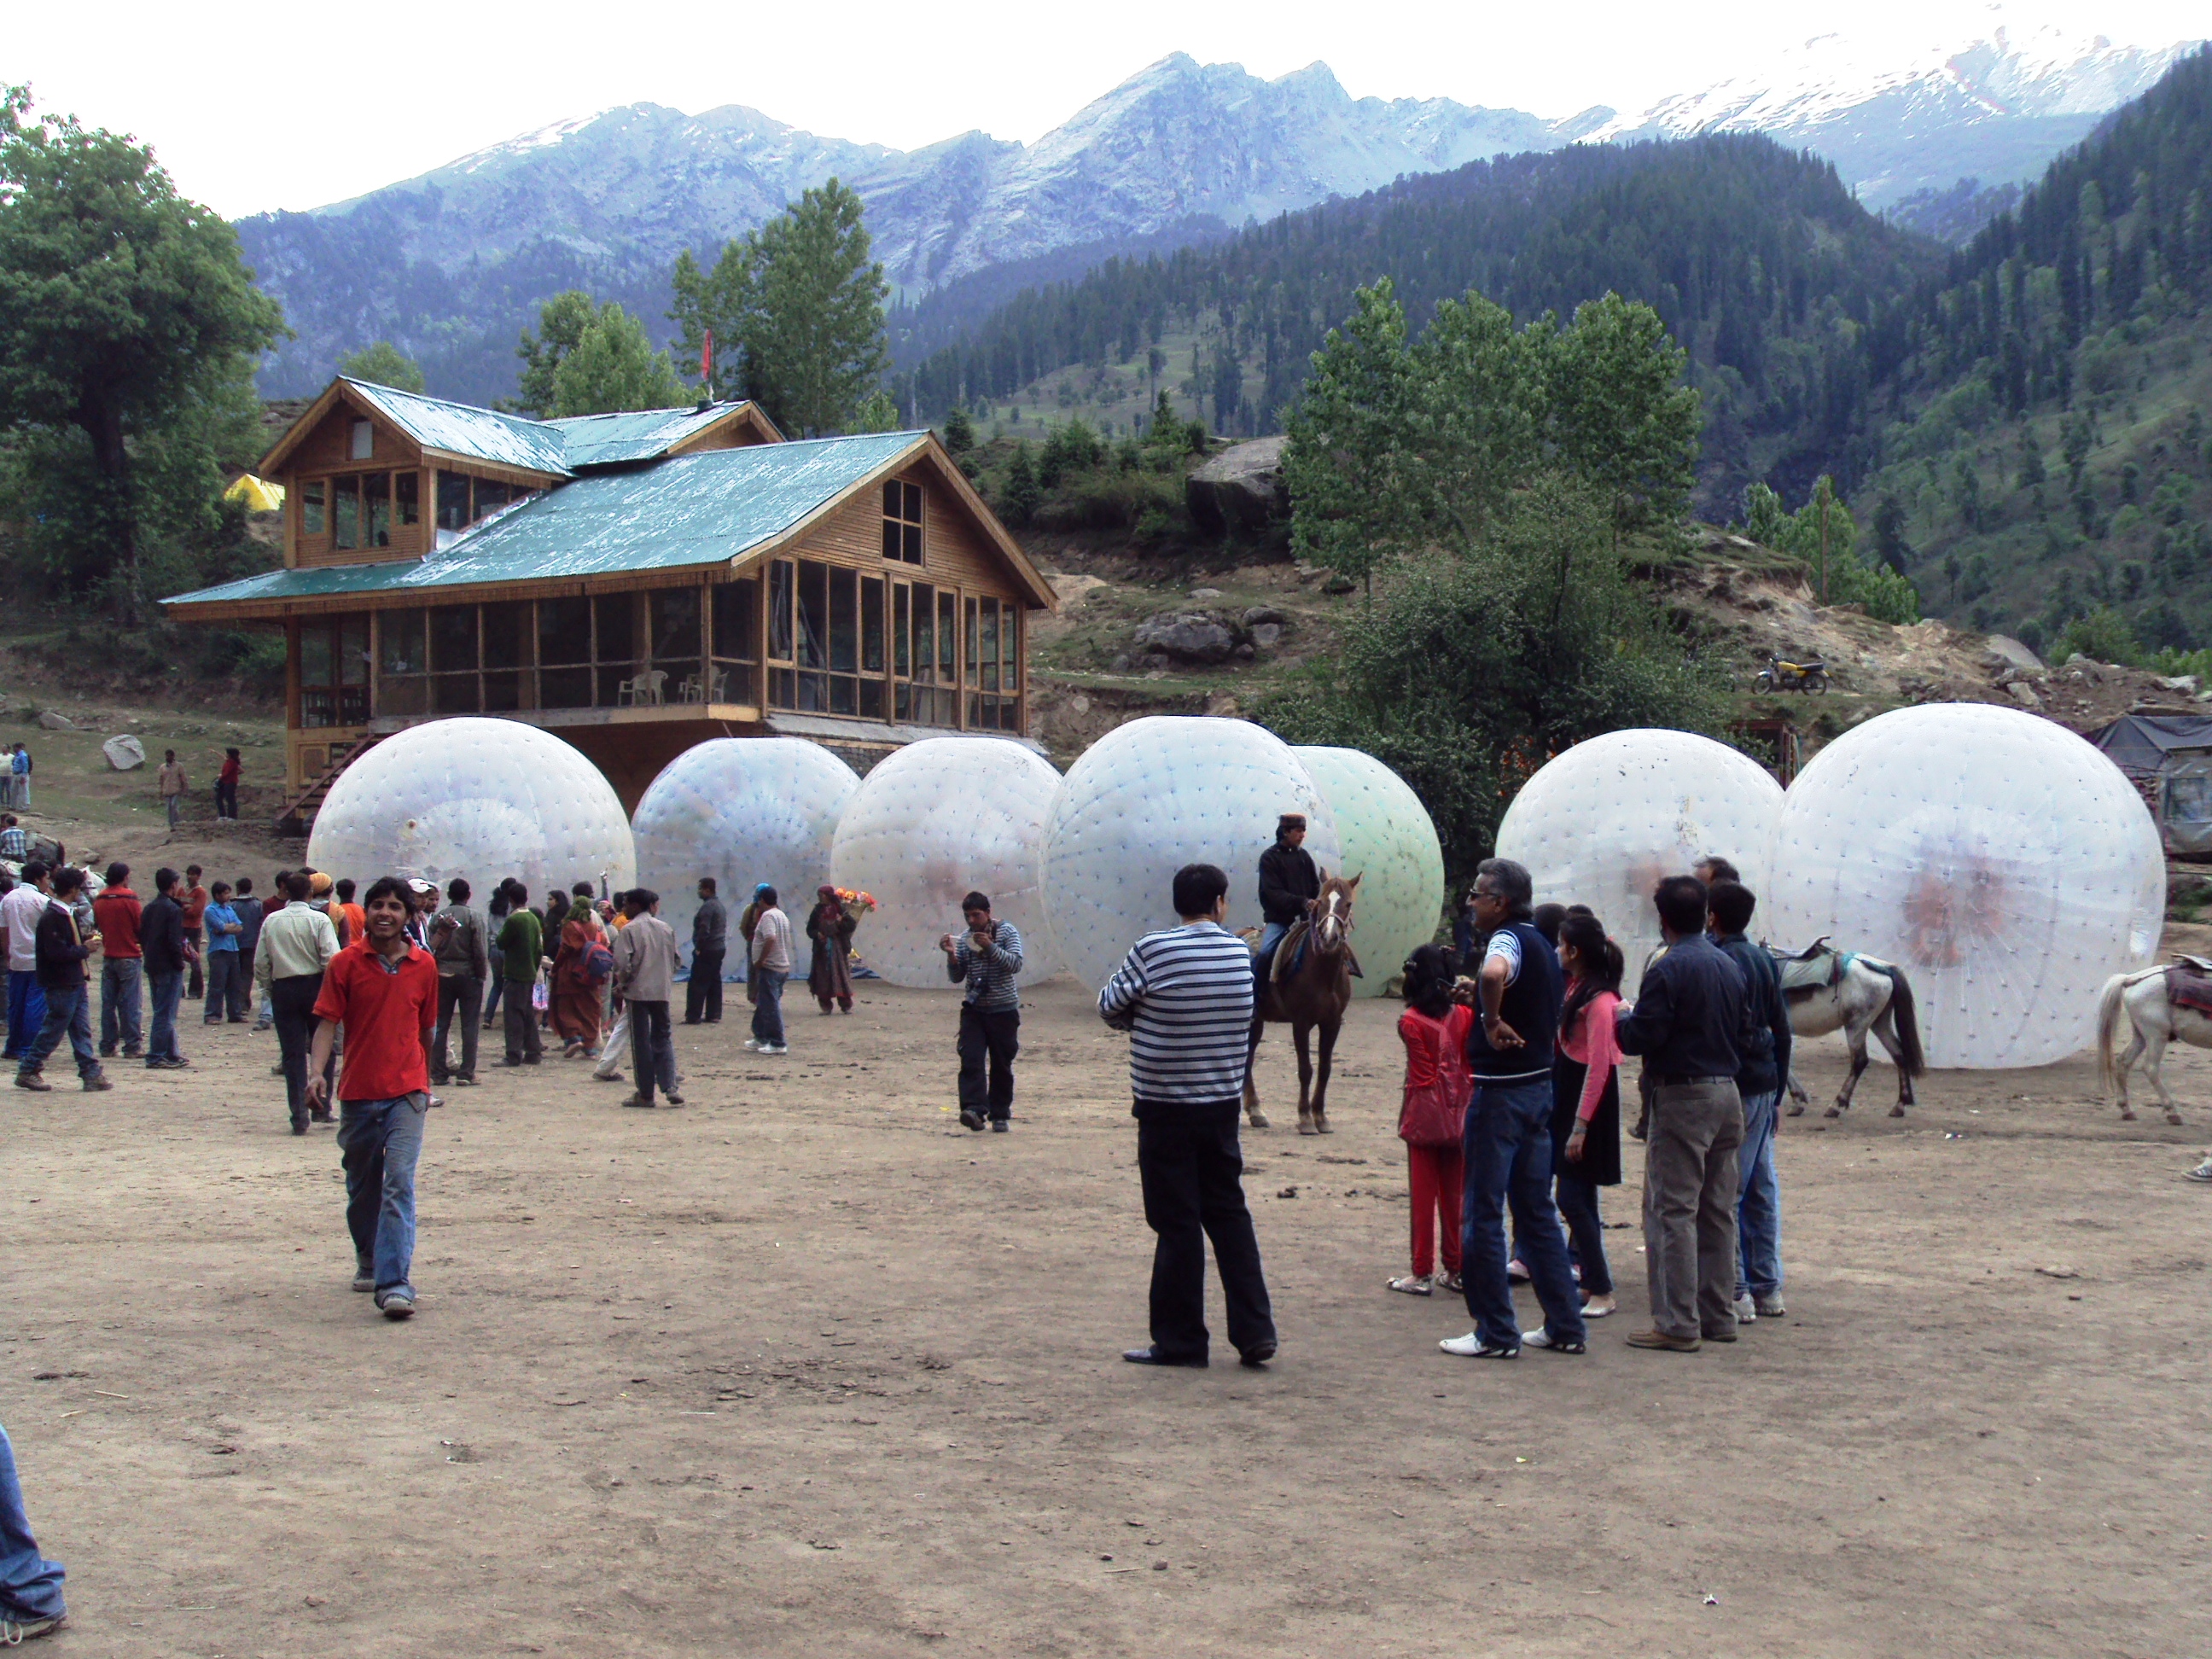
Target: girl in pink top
[(1433, 1113), (1586, 1099)]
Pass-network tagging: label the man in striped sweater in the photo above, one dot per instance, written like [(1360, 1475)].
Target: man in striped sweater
[(1185, 998)]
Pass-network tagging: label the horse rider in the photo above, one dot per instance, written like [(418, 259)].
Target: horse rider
[(1289, 881)]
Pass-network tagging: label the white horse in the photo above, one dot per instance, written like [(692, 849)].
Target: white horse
[(2151, 1010), (1832, 990)]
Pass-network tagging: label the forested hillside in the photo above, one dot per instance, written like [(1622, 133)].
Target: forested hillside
[(1758, 261), (2034, 445)]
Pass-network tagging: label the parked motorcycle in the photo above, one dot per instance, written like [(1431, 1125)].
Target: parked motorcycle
[(1781, 674)]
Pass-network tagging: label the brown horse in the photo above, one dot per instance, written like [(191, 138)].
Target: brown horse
[(1315, 992)]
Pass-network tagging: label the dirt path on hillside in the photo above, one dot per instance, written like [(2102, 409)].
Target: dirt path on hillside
[(805, 1368)]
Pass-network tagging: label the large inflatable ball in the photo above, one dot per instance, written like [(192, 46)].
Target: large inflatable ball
[(929, 824), (1603, 823), (744, 810), (1152, 796), (484, 800), (1390, 844), (2006, 865)]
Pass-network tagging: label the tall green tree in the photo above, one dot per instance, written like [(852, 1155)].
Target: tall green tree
[(129, 330), (1350, 443), (562, 321), (1621, 416), (798, 304), (588, 359), (383, 364)]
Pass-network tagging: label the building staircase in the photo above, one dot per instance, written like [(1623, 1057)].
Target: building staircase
[(298, 813)]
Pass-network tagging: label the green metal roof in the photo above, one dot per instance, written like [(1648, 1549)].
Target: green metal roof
[(693, 510), (644, 434), (484, 435)]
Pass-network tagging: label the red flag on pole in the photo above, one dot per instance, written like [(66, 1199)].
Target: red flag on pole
[(706, 361)]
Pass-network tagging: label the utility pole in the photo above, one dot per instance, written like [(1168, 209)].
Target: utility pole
[(1823, 497)]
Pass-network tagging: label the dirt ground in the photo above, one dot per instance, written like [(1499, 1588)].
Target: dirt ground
[(804, 1367)]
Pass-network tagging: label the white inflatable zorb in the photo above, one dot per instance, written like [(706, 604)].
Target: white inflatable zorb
[(2004, 864), (1602, 823), (1389, 843), (484, 800), (744, 810), (932, 823), (1150, 797)]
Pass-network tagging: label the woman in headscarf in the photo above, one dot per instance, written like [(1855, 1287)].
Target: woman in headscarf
[(831, 977), (576, 991), (747, 921)]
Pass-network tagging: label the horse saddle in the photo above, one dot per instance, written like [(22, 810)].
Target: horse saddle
[(2189, 984), (1291, 954), (1816, 968)]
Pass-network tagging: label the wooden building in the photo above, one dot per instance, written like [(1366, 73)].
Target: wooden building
[(637, 583)]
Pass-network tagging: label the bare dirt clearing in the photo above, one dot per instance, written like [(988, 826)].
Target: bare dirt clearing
[(803, 1368)]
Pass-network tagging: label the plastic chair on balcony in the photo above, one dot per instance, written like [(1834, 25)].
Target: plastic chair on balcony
[(690, 690), (641, 690)]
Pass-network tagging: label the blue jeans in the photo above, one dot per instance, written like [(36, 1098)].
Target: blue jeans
[(166, 990), (768, 1005), (1508, 1148), (26, 1012), (30, 1585), (69, 1011), (379, 1141), (120, 982), (1759, 1207)]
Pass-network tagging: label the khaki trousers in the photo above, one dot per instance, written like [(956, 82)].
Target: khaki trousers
[(1690, 1193)]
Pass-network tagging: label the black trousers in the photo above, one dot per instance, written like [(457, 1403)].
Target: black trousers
[(1192, 1168), (702, 996), (652, 1048), (292, 1002), (461, 994), (995, 1034), (226, 799)]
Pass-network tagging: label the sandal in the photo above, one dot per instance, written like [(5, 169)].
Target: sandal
[(1412, 1285)]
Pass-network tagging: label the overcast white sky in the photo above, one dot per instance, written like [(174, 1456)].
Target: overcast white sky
[(308, 104)]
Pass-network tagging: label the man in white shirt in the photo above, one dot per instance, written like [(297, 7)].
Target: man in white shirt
[(770, 965), (645, 973), (26, 1003)]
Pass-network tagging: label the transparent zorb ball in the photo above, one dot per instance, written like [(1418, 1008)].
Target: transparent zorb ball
[(1603, 823), (744, 810), (929, 824), (2006, 865), (483, 799), (1152, 796), (1389, 843)]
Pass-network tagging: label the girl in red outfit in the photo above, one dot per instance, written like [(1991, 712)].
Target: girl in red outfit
[(1586, 1099), (1434, 1030)]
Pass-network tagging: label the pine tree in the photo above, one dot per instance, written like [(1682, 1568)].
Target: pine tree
[(1621, 416), (1019, 496), (383, 364)]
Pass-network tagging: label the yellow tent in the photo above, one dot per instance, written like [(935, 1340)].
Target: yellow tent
[(259, 494)]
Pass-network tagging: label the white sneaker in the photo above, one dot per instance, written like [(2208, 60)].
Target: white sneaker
[(1746, 1310), (2202, 1172), (1472, 1346), (753, 1043), (1769, 1307), (1541, 1337), (775, 1048)]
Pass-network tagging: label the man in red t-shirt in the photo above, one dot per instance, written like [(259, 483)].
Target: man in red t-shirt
[(194, 898), (383, 989)]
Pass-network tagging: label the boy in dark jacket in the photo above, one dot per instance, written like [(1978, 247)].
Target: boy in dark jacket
[(61, 950), (1764, 1073), (162, 938)]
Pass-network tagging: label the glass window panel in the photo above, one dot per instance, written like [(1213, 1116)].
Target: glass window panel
[(564, 688), (315, 664), (454, 693), (452, 500), (617, 616), (844, 694), (507, 636), (871, 700), (607, 689), (1010, 648), (972, 637), (491, 496), (400, 633), (503, 692), (407, 492), (345, 512), (890, 498), (313, 494), (813, 614), (912, 554), (675, 622), (353, 650), (901, 621), (948, 638), (891, 528), (782, 575), (564, 634), (872, 624), (925, 633), (782, 689), (376, 509), (913, 502), (364, 440), (453, 639), (844, 621), (814, 692), (736, 605)]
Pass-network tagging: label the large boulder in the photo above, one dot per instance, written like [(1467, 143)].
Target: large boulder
[(1240, 491), (2008, 659), (1187, 636), (124, 753)]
